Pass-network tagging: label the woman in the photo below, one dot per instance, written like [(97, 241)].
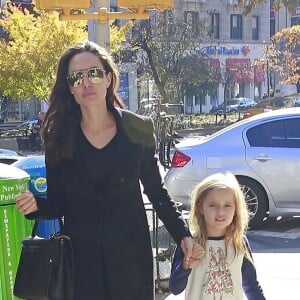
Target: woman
[(96, 156)]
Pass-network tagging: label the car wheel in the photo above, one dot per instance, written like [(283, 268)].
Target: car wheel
[(256, 200)]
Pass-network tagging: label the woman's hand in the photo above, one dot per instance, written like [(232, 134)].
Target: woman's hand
[(193, 253), (197, 255), (26, 203)]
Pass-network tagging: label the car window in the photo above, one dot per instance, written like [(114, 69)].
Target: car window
[(258, 136), (293, 132), (277, 134), (232, 102)]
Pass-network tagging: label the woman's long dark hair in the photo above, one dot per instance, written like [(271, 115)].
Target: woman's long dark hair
[(64, 115)]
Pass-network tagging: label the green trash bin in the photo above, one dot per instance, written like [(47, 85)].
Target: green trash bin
[(13, 226)]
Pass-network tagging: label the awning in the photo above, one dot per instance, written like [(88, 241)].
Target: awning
[(239, 69)]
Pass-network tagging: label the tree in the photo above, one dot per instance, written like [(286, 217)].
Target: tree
[(34, 43), (168, 51), (235, 71), (118, 37), (283, 54), (206, 83), (29, 57), (248, 5)]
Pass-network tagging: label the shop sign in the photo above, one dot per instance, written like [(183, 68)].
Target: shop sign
[(223, 50)]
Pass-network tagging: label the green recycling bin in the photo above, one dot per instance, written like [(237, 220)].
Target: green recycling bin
[(13, 226)]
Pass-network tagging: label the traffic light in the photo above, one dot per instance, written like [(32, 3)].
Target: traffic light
[(147, 4), (61, 4)]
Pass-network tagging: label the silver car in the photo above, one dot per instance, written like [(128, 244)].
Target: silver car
[(262, 151), (236, 105)]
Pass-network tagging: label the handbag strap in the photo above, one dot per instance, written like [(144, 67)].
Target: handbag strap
[(34, 231)]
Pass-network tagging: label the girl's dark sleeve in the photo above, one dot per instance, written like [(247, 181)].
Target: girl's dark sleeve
[(179, 276), (251, 286), (51, 206)]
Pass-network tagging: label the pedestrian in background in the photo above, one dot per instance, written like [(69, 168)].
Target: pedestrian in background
[(34, 137), (265, 95), (96, 155), (218, 221)]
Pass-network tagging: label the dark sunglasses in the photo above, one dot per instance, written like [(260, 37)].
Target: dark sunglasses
[(95, 75)]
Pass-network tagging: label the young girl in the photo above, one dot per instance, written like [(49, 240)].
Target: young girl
[(222, 267)]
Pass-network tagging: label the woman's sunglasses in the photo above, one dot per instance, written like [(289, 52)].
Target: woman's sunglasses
[(95, 75)]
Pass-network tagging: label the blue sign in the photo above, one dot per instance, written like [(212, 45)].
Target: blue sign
[(35, 167), (124, 89), (211, 50)]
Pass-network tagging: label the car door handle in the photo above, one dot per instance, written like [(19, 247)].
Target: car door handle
[(262, 157)]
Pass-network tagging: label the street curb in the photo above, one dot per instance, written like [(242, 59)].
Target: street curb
[(289, 234)]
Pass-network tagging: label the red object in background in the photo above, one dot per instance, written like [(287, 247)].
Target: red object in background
[(246, 115), (241, 69)]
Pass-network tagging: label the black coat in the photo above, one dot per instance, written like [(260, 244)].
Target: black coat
[(101, 201)]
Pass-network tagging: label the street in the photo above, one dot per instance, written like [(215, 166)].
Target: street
[(277, 258), (276, 253)]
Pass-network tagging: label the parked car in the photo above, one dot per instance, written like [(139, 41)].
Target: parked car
[(215, 109), (281, 102), (262, 151), (268, 104), (236, 105), (297, 101)]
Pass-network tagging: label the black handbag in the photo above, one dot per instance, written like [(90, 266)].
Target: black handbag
[(46, 268)]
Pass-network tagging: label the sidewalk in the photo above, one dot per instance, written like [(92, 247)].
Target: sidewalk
[(161, 296), (166, 296), (169, 296)]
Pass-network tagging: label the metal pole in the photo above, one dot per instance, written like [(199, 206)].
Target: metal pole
[(99, 33), (268, 79)]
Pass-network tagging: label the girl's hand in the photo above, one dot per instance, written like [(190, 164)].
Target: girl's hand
[(26, 203)]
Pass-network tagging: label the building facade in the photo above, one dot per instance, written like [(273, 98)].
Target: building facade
[(281, 18), (235, 42)]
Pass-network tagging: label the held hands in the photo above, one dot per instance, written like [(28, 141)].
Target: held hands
[(26, 203), (193, 253)]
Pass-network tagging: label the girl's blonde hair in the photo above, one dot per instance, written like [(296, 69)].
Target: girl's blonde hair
[(236, 230)]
